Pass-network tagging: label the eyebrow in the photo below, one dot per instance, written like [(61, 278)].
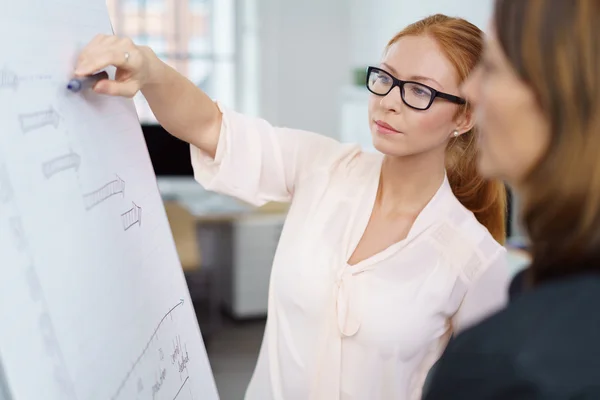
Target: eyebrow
[(414, 77)]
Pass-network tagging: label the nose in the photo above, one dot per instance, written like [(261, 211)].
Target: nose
[(392, 101)]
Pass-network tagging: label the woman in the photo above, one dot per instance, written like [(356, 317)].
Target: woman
[(537, 94), (381, 256)]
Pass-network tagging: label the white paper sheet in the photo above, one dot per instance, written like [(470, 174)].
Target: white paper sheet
[(93, 302)]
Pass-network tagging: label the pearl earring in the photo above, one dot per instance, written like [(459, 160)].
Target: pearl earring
[(456, 133)]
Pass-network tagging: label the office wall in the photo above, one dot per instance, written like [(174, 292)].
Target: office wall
[(374, 22), (298, 56), (301, 63)]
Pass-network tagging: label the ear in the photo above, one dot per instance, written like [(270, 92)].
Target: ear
[(465, 122)]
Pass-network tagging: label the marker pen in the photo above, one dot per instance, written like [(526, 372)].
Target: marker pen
[(78, 84)]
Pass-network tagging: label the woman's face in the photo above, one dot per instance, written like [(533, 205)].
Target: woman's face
[(514, 133), (399, 130)]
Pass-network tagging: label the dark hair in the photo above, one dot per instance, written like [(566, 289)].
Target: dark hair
[(462, 44), (554, 47)]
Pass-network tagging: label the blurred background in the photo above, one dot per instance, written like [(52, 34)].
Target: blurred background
[(295, 63)]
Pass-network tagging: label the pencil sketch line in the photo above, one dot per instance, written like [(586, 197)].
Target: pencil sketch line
[(52, 347), (31, 78), (8, 79), (6, 190), (182, 385), (35, 287), (49, 338), (45, 325), (102, 194), (5, 392), (16, 226), (132, 216), (39, 119), (62, 163), (137, 361)]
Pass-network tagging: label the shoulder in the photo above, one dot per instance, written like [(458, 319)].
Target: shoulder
[(546, 337), (349, 166), (352, 160), (534, 322), (314, 151), (467, 244)]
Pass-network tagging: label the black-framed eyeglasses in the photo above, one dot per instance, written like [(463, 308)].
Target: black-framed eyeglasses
[(414, 94)]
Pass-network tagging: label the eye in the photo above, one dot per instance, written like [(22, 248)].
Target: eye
[(420, 91), (384, 79)]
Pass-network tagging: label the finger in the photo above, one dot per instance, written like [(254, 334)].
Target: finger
[(91, 46), (99, 61), (109, 51), (116, 88)]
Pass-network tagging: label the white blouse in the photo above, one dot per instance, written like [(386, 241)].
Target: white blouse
[(337, 331)]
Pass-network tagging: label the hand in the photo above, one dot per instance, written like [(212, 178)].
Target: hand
[(133, 63)]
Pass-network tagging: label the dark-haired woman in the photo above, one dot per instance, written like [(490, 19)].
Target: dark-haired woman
[(537, 95)]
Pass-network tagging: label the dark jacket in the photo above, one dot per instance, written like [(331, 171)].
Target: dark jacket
[(544, 345)]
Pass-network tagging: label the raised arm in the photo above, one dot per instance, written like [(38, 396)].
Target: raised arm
[(233, 154), (180, 107)]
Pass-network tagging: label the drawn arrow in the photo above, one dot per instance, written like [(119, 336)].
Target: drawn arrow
[(16, 225), (39, 119), (6, 191), (132, 216), (102, 194), (144, 350), (54, 166), (8, 79)]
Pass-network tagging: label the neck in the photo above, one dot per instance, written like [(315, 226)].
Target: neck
[(409, 183)]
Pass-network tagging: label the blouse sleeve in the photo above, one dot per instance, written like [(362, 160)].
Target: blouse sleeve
[(486, 295), (258, 163)]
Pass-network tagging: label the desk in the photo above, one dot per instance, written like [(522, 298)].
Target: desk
[(241, 246), (236, 244)]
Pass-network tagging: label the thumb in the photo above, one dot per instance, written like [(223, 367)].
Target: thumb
[(116, 88)]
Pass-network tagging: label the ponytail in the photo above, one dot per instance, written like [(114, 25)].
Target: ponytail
[(484, 198)]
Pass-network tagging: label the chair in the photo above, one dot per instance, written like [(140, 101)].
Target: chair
[(203, 281), (183, 228)]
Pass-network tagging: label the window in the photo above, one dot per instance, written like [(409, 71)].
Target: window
[(196, 37)]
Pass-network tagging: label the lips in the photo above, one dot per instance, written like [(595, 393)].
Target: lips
[(385, 128)]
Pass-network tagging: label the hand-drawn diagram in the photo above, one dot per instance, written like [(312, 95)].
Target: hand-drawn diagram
[(102, 194), (132, 216), (39, 119), (178, 358), (68, 161), (42, 317), (35, 288), (181, 388), (8, 79), (52, 347), (4, 391), (16, 226), (6, 190)]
